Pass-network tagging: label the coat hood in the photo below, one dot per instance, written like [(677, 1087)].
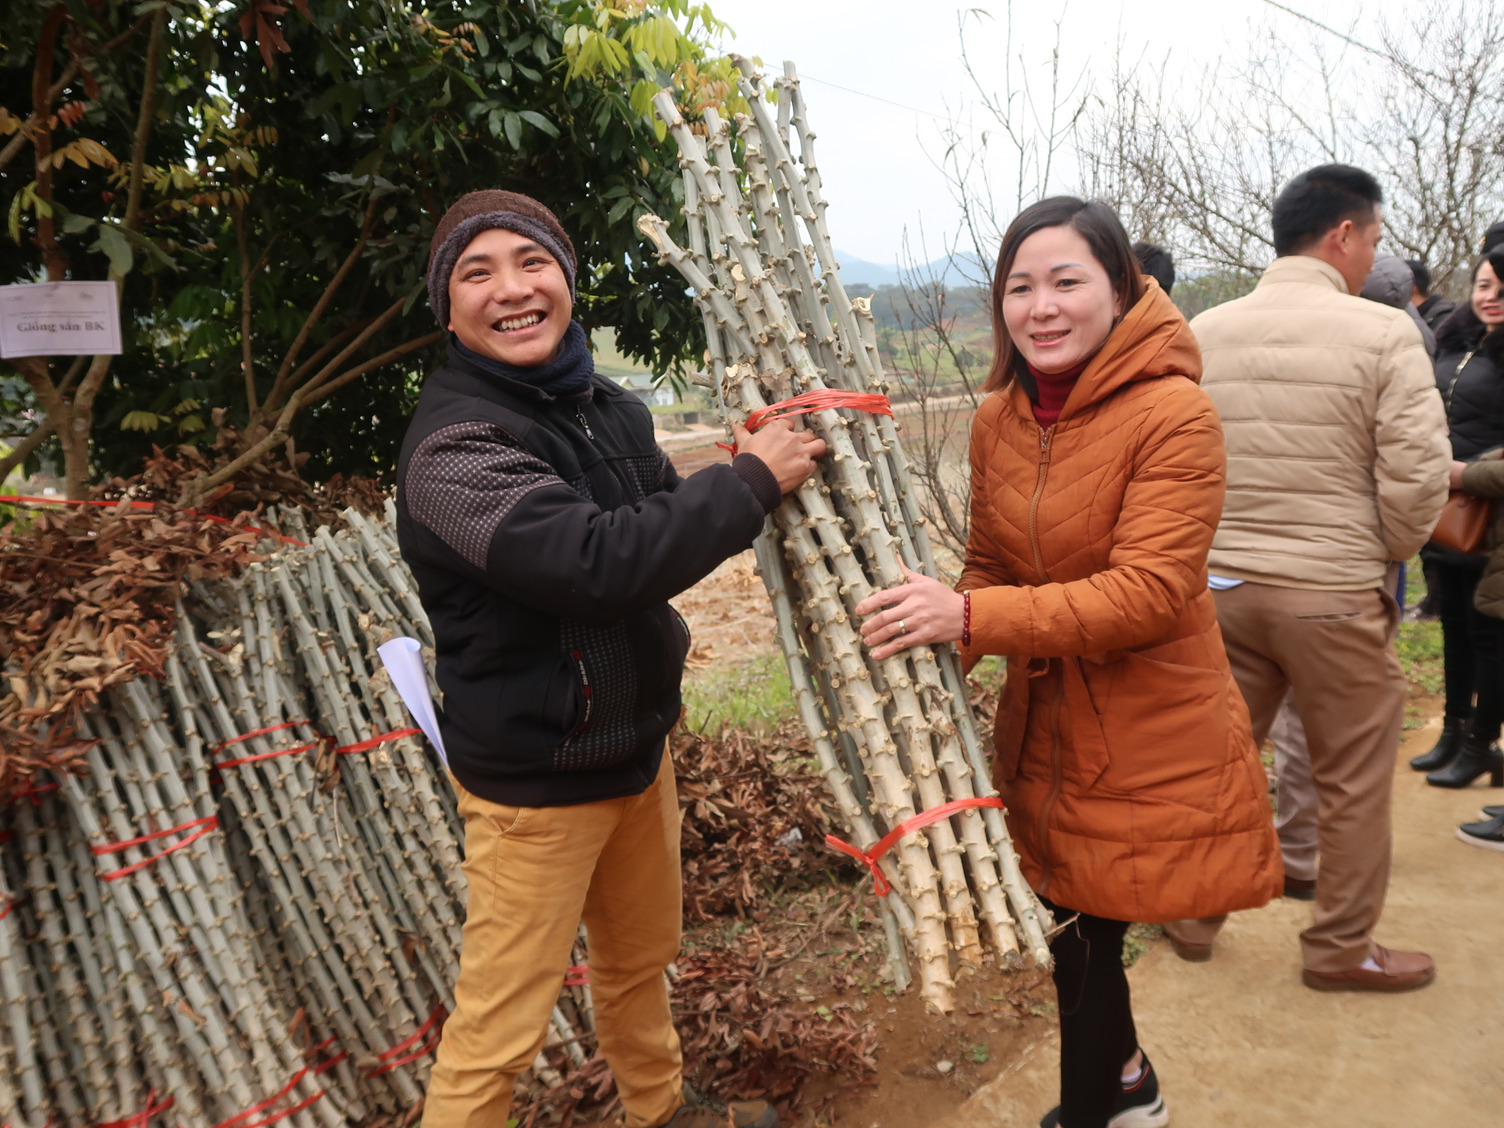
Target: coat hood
[(1151, 340), (1390, 281)]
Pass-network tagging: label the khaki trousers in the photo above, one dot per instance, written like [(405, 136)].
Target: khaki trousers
[(1334, 650), (535, 873), (1296, 802)]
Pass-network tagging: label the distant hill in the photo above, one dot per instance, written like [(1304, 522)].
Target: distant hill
[(854, 269)]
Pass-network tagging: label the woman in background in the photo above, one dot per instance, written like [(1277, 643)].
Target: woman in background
[(1470, 375)]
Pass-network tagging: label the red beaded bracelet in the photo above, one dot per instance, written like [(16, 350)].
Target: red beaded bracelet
[(966, 618)]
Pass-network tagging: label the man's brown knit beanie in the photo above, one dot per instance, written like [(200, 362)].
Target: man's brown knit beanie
[(475, 212)]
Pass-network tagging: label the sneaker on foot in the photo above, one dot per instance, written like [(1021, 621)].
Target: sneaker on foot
[(1139, 1105), (699, 1111), (1488, 834)]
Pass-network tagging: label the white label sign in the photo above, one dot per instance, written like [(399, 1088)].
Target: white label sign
[(59, 319)]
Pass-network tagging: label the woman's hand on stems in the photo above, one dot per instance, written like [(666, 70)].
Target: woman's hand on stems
[(918, 612)]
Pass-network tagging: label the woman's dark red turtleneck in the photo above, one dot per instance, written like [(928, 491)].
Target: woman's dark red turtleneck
[(1054, 389)]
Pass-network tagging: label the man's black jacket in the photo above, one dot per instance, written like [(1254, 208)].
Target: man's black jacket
[(546, 537)]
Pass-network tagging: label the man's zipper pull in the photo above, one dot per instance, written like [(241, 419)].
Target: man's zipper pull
[(585, 423)]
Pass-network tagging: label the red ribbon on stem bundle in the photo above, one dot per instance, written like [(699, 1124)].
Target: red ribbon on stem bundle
[(342, 750), (823, 399), (391, 1058), (142, 1118), (869, 858), (208, 823)]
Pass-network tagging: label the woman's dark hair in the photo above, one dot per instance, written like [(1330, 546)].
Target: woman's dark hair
[(1317, 200), (1095, 222), (1462, 330)]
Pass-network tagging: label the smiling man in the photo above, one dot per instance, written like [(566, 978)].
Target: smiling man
[(547, 532)]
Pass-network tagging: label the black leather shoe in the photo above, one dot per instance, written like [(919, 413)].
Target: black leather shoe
[(1492, 812), (1444, 750), (1476, 758)]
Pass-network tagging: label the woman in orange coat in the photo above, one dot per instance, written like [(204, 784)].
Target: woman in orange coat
[(1122, 745)]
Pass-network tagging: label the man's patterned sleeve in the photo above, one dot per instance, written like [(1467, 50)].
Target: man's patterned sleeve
[(464, 479)]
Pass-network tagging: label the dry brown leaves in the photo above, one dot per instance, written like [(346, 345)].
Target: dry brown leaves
[(86, 602), (740, 1042), (745, 1042), (755, 814), (271, 481), (87, 593)]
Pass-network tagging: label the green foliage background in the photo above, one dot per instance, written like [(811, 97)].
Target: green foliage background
[(271, 134)]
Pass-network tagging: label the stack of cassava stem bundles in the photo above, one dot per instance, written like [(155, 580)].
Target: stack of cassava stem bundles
[(896, 738), (246, 910)]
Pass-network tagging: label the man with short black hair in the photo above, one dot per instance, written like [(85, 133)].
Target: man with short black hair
[(547, 532), (1157, 264), (1433, 308), (1337, 462)]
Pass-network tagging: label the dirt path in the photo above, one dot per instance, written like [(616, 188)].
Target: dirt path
[(1239, 1042)]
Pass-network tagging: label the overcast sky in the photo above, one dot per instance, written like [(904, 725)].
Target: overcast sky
[(876, 158)]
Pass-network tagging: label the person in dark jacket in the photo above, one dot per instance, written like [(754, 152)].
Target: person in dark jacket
[(1433, 308), (546, 532), (1470, 375)]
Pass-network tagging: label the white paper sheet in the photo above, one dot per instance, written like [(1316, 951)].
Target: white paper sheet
[(403, 659)]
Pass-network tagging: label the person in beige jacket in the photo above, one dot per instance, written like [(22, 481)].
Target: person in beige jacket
[(1337, 463)]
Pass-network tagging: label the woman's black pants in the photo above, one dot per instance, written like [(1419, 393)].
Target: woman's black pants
[(1096, 1021), (1473, 651)]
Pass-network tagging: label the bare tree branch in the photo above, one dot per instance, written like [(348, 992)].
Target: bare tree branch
[(23, 450)]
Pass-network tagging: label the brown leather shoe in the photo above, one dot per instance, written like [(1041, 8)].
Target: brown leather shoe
[(1398, 971), (1193, 951), (699, 1111)]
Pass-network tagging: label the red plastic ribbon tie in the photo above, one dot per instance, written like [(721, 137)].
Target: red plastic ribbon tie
[(869, 858), (223, 744), (140, 1119), (16, 499), (390, 1057), (376, 741), (236, 1120), (325, 1067), (342, 750), (10, 903), (208, 823), (263, 755), (34, 791), (577, 975), (823, 399)]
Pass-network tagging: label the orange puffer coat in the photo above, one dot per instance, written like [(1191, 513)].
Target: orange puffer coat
[(1123, 747)]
